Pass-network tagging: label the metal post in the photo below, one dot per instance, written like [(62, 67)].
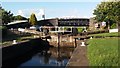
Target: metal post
[(45, 38), (58, 40)]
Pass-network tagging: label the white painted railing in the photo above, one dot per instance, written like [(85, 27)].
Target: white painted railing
[(113, 30)]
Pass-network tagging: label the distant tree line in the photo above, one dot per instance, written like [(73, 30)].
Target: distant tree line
[(8, 17), (19, 17)]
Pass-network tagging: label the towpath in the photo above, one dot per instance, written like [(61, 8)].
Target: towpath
[(79, 57)]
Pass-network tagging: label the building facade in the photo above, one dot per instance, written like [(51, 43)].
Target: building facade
[(65, 22)]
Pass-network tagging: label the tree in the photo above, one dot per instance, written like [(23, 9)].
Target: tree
[(33, 19), (6, 16), (19, 17), (108, 12)]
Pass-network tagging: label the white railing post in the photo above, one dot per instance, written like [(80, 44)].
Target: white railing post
[(14, 42)]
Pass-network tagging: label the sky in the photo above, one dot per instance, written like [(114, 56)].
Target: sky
[(51, 9), (51, 0)]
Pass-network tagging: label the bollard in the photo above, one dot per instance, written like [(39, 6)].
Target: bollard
[(48, 40), (14, 42), (11, 28), (90, 37), (83, 44)]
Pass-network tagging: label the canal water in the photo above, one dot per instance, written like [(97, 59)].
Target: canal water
[(51, 57)]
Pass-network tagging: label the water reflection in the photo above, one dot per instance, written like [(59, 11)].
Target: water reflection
[(51, 57)]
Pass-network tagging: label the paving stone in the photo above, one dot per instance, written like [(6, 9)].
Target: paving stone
[(79, 57)]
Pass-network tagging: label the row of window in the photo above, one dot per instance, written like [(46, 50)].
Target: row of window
[(73, 23), (74, 20)]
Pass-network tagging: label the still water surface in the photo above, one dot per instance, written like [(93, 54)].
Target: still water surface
[(51, 57)]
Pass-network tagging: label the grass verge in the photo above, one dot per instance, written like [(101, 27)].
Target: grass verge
[(103, 52), (106, 34)]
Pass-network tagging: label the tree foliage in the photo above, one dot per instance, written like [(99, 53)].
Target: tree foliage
[(19, 17), (6, 16), (3, 29), (108, 12), (33, 19)]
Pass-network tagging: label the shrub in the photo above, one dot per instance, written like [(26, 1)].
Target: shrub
[(80, 30), (3, 29), (113, 26), (68, 29), (99, 31)]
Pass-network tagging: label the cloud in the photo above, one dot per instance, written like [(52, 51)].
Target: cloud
[(41, 12), (54, 13), (28, 12), (20, 12)]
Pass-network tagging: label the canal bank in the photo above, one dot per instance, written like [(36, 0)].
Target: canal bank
[(15, 51), (35, 52), (24, 53)]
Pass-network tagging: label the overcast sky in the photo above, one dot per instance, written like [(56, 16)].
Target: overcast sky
[(51, 9)]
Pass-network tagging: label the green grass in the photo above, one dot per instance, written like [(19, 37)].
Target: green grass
[(10, 36), (18, 39), (80, 29), (103, 52), (106, 34), (3, 27)]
